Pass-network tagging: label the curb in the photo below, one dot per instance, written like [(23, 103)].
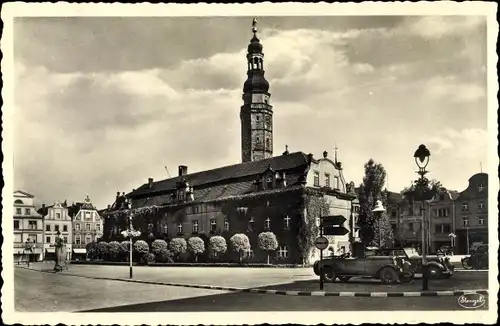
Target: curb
[(289, 293)]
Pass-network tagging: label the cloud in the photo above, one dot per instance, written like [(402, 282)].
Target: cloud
[(435, 27)]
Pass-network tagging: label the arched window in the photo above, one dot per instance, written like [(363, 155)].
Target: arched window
[(18, 201), (256, 62)]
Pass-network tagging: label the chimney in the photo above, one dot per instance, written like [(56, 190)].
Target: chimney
[(150, 182), (309, 157), (183, 170)]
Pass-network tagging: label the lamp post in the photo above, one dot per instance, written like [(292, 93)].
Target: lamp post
[(421, 156), (130, 234), (379, 209), (452, 241)]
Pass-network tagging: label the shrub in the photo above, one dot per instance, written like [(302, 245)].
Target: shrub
[(140, 248), (267, 241), (102, 249), (177, 246), (196, 246), (147, 258), (115, 250), (164, 257), (158, 246), (240, 244), (217, 245), (91, 248)]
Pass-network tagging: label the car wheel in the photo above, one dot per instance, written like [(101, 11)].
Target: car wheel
[(388, 275), (434, 272), (329, 275), (466, 263), (344, 279)]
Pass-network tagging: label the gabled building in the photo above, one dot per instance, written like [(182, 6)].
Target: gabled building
[(56, 220), (442, 219), (284, 194), (28, 227), (87, 226), (471, 218)]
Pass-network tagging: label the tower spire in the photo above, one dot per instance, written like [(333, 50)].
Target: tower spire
[(335, 149), (256, 114)]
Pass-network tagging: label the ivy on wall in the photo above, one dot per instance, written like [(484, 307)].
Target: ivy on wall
[(314, 206)]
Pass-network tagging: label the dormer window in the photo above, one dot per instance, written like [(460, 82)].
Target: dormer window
[(181, 196), (269, 183)]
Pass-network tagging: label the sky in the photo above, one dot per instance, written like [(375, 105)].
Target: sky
[(102, 104)]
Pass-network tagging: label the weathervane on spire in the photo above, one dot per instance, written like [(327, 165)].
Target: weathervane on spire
[(254, 25)]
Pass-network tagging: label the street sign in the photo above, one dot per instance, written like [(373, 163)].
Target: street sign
[(321, 243), (333, 220), (330, 230)]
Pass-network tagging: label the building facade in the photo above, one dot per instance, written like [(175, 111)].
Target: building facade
[(285, 194), (471, 218), (87, 226), (56, 220), (442, 219), (28, 228)]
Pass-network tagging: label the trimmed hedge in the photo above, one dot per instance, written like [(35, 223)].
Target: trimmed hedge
[(100, 262)]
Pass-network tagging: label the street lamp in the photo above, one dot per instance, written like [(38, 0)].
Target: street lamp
[(452, 240), (130, 234), (379, 209), (422, 192)]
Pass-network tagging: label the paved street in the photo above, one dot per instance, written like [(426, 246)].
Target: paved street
[(37, 291), (43, 292)]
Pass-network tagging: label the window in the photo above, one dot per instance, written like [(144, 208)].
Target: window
[(179, 228), (98, 227), (19, 211), (446, 228), (16, 225), (480, 221), (465, 206), (195, 210), (327, 180), (58, 215), (77, 226), (87, 226), (47, 227), (316, 179), (465, 221), (410, 226), (88, 239), (56, 228), (65, 228), (437, 228), (269, 183), (481, 187), (442, 212), (337, 182), (213, 226), (251, 223), (283, 252), (77, 240), (32, 225), (226, 225), (18, 201), (78, 217), (27, 211), (249, 253), (47, 239), (195, 226), (165, 229), (287, 222), (65, 239), (480, 205), (267, 223), (180, 195), (257, 140)]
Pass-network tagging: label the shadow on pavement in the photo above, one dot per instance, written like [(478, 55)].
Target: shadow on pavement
[(241, 301)]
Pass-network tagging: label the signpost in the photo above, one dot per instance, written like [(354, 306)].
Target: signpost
[(333, 225), (321, 243)]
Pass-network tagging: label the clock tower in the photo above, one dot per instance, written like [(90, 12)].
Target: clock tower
[(256, 113)]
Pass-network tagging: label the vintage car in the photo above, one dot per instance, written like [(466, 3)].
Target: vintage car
[(478, 259), (389, 269), (439, 266)]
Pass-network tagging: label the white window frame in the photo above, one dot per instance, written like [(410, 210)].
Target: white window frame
[(78, 240), (195, 226), (480, 205), (465, 219), (213, 225), (283, 252), (87, 227), (480, 221), (287, 220), (267, 223), (179, 228), (88, 239), (77, 227), (226, 224), (249, 253), (465, 206)]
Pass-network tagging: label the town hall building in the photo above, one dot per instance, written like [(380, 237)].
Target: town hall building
[(285, 194)]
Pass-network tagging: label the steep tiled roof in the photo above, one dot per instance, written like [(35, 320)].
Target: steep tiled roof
[(227, 179)]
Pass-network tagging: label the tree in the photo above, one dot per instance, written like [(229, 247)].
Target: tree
[(158, 246), (196, 246), (102, 249), (114, 250), (382, 229), (369, 192), (91, 249), (217, 245), (240, 243), (141, 248), (177, 246), (267, 241)]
